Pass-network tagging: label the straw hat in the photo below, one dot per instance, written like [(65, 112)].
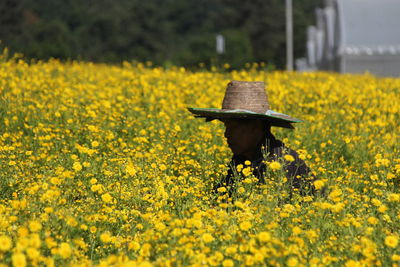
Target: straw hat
[(245, 100)]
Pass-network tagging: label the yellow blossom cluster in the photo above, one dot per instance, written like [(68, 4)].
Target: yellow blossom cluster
[(102, 165)]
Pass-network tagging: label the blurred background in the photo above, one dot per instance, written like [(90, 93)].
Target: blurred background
[(354, 36), (165, 32)]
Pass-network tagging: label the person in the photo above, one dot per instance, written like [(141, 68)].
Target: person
[(248, 120)]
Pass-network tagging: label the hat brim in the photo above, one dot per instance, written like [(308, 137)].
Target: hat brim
[(273, 117)]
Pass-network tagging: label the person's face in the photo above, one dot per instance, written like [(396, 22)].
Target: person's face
[(243, 136)]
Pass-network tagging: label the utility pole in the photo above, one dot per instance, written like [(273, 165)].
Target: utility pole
[(289, 36), (220, 44)]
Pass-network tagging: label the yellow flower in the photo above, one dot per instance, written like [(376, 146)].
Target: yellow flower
[(18, 260), (376, 202), (35, 226), (231, 250), (353, 263), (163, 167), (241, 190), (145, 250), (77, 166), (296, 230), (396, 257), (159, 163), (292, 261), (249, 260), (133, 245), (130, 169), (264, 237), (246, 171), (222, 189), (391, 241), (105, 237), (93, 128), (35, 241), (144, 264), (259, 257), (245, 226), (107, 198), (33, 253), (335, 195), (5, 243), (289, 158), (382, 208), (65, 250), (227, 263), (239, 167), (390, 176), (207, 238), (239, 204), (318, 184), (275, 165), (372, 220), (394, 197)]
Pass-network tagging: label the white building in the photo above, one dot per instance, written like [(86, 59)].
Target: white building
[(355, 36)]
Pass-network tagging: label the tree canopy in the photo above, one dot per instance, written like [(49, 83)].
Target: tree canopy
[(179, 32)]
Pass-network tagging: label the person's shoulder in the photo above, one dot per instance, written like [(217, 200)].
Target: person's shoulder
[(280, 150)]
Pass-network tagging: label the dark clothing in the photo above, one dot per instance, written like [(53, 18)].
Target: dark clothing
[(297, 172)]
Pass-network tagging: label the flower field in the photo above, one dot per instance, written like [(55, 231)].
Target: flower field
[(103, 165)]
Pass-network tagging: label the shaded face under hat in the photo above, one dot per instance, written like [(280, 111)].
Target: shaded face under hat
[(245, 100)]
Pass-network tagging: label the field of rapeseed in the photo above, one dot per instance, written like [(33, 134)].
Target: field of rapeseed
[(103, 165)]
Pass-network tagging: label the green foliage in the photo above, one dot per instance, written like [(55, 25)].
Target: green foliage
[(178, 32)]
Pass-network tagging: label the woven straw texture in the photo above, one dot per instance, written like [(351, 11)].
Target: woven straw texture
[(246, 95), (245, 100)]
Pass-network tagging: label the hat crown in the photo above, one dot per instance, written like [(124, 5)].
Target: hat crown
[(246, 95)]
